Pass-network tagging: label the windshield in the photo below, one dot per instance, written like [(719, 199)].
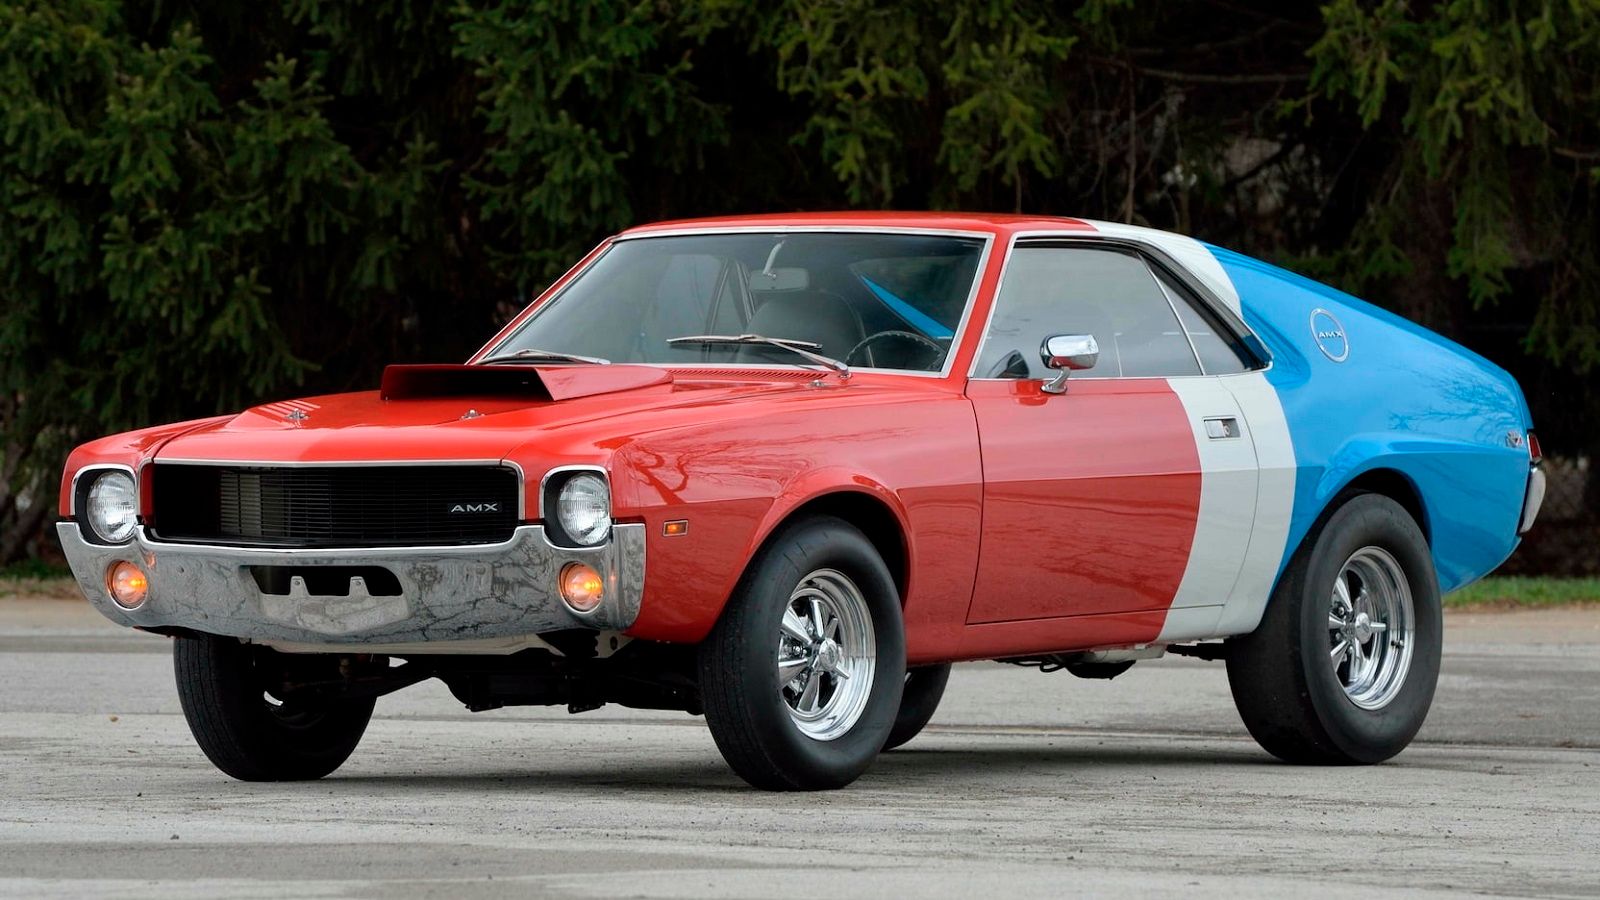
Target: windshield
[(885, 301)]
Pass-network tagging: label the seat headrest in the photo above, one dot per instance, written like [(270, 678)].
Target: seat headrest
[(817, 316)]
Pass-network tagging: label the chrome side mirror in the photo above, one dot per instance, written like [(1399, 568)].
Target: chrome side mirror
[(1068, 353)]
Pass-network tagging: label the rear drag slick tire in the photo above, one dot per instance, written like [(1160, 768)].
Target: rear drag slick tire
[(1343, 666)]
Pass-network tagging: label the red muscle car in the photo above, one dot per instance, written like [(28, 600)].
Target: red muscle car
[(784, 470)]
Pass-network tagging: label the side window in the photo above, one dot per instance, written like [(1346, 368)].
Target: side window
[(1211, 340), (1110, 294)]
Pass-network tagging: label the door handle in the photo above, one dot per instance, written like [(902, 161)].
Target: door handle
[(1221, 428)]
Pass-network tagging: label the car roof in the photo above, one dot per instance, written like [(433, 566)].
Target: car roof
[(945, 221)]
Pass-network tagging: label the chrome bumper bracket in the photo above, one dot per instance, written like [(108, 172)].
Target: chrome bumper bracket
[(1532, 501)]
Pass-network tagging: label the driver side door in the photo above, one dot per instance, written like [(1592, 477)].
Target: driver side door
[(1092, 496)]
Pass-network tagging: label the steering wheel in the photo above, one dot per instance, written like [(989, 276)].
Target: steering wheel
[(936, 349)]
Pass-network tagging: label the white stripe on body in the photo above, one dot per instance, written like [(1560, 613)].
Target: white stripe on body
[(1274, 502), (1228, 506)]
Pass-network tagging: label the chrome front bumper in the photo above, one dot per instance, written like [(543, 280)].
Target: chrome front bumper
[(452, 594)]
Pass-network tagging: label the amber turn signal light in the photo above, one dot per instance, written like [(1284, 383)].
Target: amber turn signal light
[(581, 586), (127, 584)]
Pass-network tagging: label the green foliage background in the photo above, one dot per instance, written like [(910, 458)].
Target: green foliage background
[(203, 205)]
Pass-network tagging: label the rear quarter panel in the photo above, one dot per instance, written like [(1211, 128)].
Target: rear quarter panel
[(1405, 399)]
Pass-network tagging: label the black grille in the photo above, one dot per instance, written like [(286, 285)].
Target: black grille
[(334, 506)]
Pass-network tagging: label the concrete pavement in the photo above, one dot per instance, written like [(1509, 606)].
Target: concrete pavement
[(1026, 784)]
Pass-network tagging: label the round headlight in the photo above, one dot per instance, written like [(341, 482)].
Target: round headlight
[(583, 509), (113, 507)]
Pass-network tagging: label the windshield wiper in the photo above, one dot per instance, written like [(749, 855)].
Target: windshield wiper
[(531, 354), (806, 349)]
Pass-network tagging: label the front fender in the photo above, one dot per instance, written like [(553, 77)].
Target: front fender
[(686, 591), (916, 454), (134, 449), (817, 483)]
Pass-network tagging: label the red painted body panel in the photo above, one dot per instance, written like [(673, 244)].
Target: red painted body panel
[(133, 449), (733, 455), (736, 478), (1090, 498), (363, 426), (736, 452)]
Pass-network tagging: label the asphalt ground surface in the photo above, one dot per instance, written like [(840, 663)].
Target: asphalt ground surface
[(1026, 784)]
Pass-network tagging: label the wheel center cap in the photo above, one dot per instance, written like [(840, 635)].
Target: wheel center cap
[(1363, 627), (826, 655)]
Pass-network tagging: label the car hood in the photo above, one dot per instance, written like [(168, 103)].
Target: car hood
[(444, 413)]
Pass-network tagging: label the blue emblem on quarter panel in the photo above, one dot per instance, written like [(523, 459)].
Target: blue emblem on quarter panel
[(1329, 335)]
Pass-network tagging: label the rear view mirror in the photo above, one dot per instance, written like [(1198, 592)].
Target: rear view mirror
[(793, 279), (1068, 353)]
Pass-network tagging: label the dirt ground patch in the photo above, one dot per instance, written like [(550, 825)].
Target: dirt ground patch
[(38, 589)]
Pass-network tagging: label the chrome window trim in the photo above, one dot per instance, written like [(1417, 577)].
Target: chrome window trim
[(528, 311), (1172, 304), (1212, 302), (522, 480), (984, 257), (72, 491)]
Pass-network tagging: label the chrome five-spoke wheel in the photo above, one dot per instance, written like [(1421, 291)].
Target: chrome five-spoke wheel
[(1370, 628), (801, 678), (826, 654), (1342, 668)]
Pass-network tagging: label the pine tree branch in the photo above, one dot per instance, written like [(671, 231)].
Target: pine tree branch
[(1201, 77)]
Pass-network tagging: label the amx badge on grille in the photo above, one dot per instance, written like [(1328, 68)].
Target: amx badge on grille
[(475, 508)]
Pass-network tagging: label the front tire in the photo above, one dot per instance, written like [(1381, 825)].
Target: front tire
[(246, 733), (1343, 667), (801, 677), (920, 700)]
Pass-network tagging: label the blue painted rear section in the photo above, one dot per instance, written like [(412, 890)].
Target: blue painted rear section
[(1406, 399)]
